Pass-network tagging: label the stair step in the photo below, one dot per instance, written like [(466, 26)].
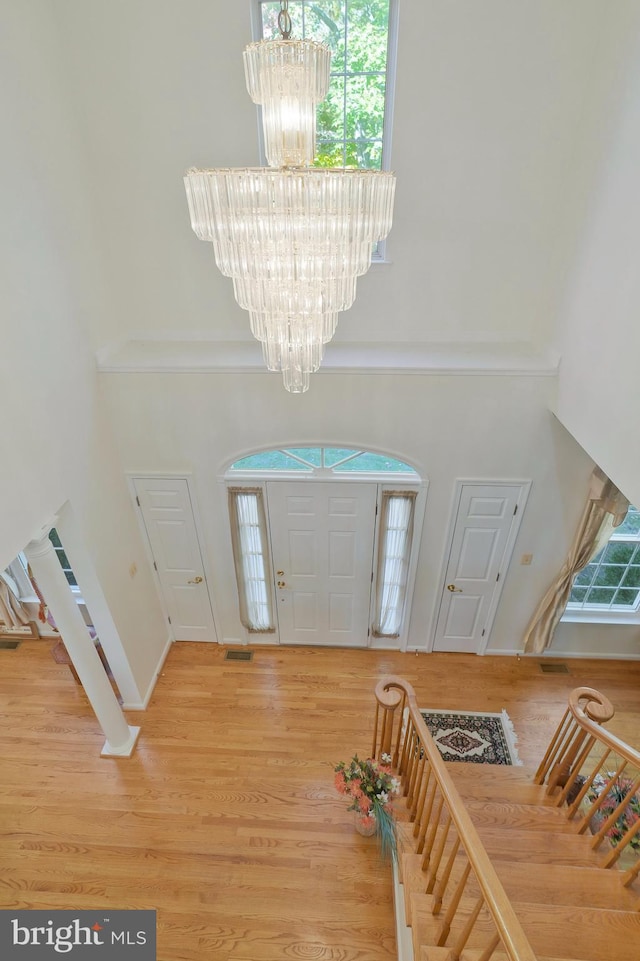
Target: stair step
[(566, 931), (405, 839), (424, 927), (414, 881), (569, 907), (538, 847), (566, 885), (528, 817), (429, 952), (474, 954), (515, 844), (513, 773), (582, 932), (496, 785), (555, 883)]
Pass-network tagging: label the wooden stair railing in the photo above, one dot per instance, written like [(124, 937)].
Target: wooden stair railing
[(579, 751), (443, 832)]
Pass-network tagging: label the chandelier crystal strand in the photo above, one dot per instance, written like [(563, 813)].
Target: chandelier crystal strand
[(284, 225), (288, 78), (293, 238)]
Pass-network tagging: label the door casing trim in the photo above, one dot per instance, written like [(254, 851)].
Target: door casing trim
[(187, 477), (459, 483), (258, 479)]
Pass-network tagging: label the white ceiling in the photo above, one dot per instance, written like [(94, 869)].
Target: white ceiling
[(500, 132)]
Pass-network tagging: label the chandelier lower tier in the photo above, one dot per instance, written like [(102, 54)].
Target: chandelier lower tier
[(294, 239)]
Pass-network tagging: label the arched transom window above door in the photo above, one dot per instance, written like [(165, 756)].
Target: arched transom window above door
[(324, 461), (324, 546)]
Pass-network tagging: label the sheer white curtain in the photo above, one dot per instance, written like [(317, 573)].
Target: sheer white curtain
[(253, 571), (396, 532)]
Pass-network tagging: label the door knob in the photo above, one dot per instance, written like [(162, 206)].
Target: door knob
[(196, 580), (454, 589), (280, 573), (281, 584)]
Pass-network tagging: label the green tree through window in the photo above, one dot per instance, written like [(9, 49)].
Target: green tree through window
[(350, 123), (62, 557)]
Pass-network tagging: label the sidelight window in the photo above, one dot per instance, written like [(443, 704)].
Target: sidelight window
[(396, 531), (250, 554)]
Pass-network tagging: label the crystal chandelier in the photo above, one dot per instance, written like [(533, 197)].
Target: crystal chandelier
[(293, 237)]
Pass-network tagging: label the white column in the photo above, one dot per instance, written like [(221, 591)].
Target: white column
[(121, 738)]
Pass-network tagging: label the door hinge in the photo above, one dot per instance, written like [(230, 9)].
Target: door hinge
[(155, 565), (498, 576), (137, 500), (483, 630), (168, 618), (515, 510), (368, 631)]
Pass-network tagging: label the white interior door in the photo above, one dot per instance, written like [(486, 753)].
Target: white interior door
[(167, 514), (484, 529), (322, 546)]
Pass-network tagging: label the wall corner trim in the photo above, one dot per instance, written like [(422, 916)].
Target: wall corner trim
[(142, 705)]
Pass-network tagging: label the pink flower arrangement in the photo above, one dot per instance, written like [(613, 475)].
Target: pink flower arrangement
[(371, 786), (619, 790)]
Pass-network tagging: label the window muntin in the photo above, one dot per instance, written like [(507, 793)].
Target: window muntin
[(270, 460), (611, 580), (351, 121), (367, 461), (62, 557), (249, 540), (323, 459)]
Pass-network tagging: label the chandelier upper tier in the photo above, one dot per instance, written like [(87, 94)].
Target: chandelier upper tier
[(293, 237)]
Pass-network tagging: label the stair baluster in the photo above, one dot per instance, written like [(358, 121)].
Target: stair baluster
[(455, 903), (441, 831)]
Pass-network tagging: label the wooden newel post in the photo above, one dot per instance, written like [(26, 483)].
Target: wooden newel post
[(388, 699), (584, 702)]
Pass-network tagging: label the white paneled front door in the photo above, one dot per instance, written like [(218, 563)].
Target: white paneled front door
[(168, 518), (483, 535), (322, 544)]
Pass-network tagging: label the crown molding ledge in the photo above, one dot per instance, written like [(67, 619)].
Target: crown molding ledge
[(137, 356)]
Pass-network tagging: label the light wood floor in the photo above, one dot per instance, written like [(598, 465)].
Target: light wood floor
[(226, 820)]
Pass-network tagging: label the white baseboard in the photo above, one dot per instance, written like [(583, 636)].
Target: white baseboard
[(507, 652), (588, 655), (404, 940), (142, 705), (560, 655)]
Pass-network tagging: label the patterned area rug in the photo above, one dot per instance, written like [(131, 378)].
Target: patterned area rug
[(473, 737)]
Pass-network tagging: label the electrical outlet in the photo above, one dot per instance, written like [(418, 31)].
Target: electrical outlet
[(133, 570), (526, 559)]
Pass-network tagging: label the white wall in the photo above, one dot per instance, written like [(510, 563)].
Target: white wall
[(57, 444), (104, 106), (596, 640), (447, 426), (598, 399), (494, 101)]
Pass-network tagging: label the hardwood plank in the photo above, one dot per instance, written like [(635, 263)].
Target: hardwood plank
[(225, 820)]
